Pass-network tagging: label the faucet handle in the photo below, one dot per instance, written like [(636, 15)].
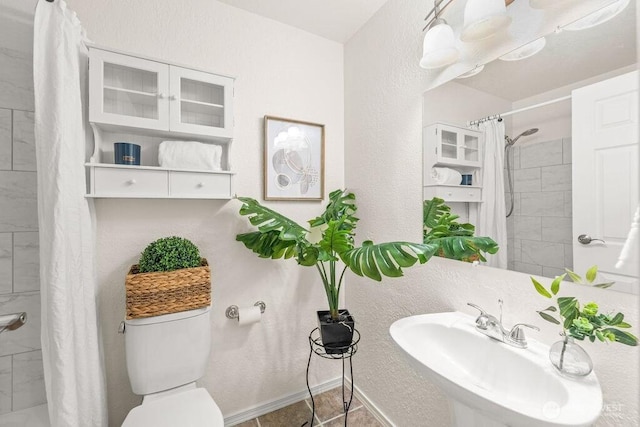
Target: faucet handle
[(482, 321), (516, 334), (477, 307)]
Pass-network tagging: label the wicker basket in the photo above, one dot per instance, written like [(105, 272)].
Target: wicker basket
[(165, 292)]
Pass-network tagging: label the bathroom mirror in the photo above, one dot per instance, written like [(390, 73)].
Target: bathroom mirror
[(540, 239)]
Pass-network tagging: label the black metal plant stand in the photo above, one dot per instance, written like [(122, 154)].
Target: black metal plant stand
[(343, 353)]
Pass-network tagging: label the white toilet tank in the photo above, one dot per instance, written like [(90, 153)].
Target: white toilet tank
[(167, 351)]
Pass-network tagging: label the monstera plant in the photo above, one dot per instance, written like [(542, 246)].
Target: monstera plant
[(333, 252), (453, 239)]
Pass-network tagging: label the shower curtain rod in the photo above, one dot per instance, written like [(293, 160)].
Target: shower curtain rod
[(519, 110)]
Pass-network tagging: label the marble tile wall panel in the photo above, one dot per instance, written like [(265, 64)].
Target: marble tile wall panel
[(568, 256), (552, 271), (510, 252), (26, 262), (5, 384), (16, 79), (568, 204), (28, 380), (524, 267), (27, 337), (18, 201), (551, 203), (6, 263), (556, 178), (543, 253), (516, 248), (526, 180), (528, 227), (24, 143), (5, 139), (566, 150), (546, 153), (556, 229)]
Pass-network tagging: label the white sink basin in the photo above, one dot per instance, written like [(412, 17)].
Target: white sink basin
[(492, 383)]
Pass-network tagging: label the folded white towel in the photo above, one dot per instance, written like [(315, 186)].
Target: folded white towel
[(189, 155), (446, 176), (631, 242)]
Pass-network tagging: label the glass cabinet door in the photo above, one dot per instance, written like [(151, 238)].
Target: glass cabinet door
[(201, 103), (128, 91)]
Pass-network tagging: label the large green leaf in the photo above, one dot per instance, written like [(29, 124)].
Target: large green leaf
[(548, 317), (623, 337), (432, 210), (341, 207), (568, 310), (454, 240), (541, 289), (335, 241), (269, 220), (388, 259), (268, 244)]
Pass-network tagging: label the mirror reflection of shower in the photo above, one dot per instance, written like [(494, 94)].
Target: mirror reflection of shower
[(507, 152)]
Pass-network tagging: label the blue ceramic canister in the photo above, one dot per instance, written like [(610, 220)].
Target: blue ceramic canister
[(126, 153)]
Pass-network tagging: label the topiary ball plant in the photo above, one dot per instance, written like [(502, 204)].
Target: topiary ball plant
[(168, 254)]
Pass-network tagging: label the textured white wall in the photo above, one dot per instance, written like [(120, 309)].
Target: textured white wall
[(280, 71), (383, 95)]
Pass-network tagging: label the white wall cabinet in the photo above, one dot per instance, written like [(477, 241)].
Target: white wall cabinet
[(145, 94), (456, 148), (145, 101)]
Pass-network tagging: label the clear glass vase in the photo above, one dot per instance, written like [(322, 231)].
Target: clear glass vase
[(570, 359)]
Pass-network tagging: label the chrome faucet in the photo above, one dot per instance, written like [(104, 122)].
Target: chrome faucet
[(493, 328)]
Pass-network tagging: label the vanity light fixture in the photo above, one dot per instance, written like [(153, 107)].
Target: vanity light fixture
[(439, 45), (483, 19), (598, 17), (526, 51)]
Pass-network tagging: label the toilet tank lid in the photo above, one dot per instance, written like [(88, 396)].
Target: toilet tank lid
[(190, 408), (168, 317)]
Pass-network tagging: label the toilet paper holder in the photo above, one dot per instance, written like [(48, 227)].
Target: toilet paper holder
[(232, 311)]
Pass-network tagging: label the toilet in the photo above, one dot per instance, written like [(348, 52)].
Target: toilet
[(165, 356)]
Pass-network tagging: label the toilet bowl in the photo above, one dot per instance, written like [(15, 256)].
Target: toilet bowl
[(165, 356)]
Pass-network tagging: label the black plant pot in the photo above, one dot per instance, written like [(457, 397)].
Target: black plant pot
[(336, 335)]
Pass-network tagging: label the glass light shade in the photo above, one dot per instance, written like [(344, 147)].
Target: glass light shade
[(483, 18), (526, 51), (598, 17), (439, 47), (471, 73)]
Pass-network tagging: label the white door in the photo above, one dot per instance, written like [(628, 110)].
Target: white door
[(128, 91), (605, 176), (201, 103)]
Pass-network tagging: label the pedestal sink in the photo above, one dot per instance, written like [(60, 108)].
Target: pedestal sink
[(490, 383)]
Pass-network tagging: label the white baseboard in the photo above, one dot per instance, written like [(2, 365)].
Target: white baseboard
[(373, 409), (274, 405)]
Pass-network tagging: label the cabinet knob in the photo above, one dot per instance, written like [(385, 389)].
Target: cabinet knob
[(449, 194), (162, 95), (131, 181), (200, 184), (471, 194), (172, 98)]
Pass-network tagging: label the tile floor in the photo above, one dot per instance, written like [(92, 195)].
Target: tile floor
[(329, 413)]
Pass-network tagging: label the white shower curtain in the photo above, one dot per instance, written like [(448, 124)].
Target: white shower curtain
[(492, 221), (73, 368)]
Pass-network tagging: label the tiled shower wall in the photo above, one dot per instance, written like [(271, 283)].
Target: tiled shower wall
[(21, 373), (539, 230)]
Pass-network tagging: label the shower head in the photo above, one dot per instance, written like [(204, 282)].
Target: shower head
[(527, 132)]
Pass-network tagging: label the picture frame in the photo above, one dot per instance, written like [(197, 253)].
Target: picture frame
[(293, 159)]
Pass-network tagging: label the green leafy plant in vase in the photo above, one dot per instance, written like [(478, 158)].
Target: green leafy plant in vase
[(454, 240), (580, 322), (331, 254)]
